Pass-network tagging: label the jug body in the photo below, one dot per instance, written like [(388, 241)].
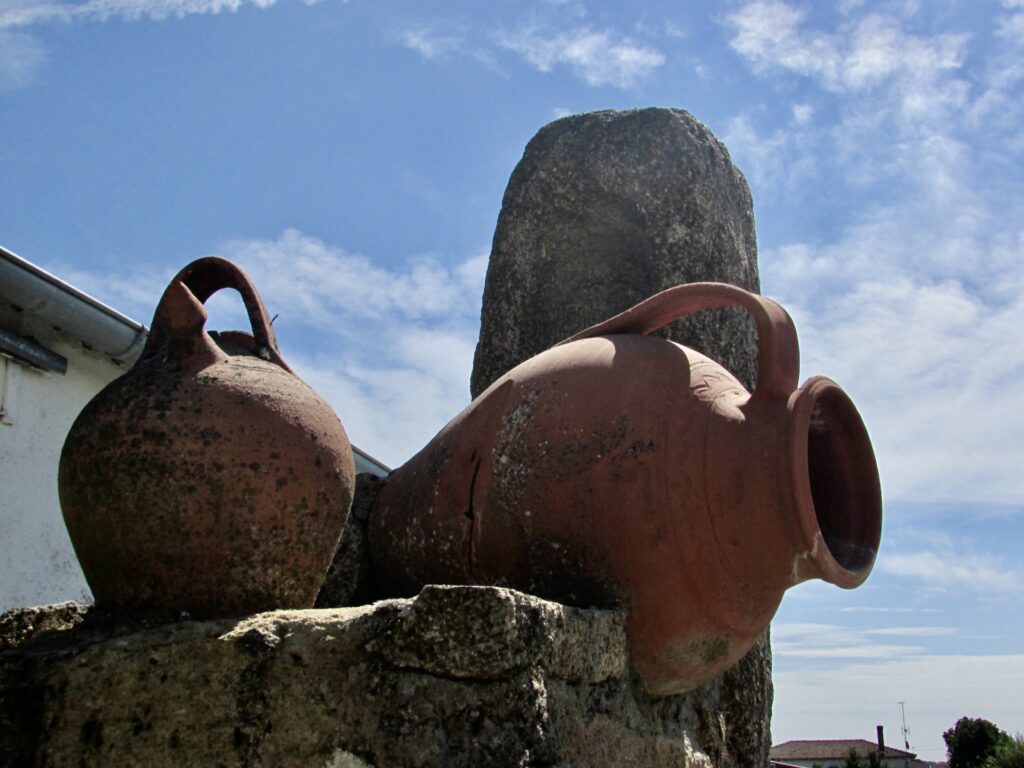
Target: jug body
[(623, 469), (209, 478)]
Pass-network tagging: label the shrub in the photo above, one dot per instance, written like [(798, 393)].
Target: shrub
[(971, 742), (1009, 753)]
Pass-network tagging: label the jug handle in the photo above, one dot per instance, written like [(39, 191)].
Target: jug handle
[(201, 279), (778, 353)]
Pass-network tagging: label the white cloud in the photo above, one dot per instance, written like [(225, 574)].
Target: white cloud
[(914, 631), (330, 286), (860, 55), (676, 31), (916, 318), (883, 609), (1012, 27), (430, 44), (802, 113), (831, 641), (599, 58), (912, 302), (783, 157), (846, 6), (896, 90), (23, 13), (20, 57), (984, 574)]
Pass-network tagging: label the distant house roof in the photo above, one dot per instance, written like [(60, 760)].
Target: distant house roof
[(366, 463), (831, 749)]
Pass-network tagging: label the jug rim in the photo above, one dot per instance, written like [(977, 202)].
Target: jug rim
[(839, 510)]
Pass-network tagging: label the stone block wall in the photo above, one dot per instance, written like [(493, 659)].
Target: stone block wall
[(457, 676)]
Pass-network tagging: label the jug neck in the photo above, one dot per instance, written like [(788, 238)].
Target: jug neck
[(793, 491)]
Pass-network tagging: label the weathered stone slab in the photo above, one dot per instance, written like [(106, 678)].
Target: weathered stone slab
[(458, 676)]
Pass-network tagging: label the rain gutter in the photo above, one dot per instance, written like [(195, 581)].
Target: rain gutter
[(98, 326)]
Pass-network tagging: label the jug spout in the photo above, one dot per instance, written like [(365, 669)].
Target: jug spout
[(178, 334)]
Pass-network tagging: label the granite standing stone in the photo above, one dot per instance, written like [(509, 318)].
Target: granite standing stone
[(604, 210)]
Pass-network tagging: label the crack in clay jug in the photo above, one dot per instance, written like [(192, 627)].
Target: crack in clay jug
[(617, 468), (209, 478)]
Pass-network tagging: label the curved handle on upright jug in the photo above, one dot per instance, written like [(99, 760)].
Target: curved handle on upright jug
[(181, 310), (778, 353)]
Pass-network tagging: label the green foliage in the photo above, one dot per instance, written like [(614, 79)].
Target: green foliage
[(972, 741), (1009, 753), (854, 760)]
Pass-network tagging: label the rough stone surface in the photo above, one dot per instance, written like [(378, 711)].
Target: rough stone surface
[(349, 580), (604, 210), (458, 676)]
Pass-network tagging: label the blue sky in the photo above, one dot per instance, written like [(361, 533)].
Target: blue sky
[(352, 157)]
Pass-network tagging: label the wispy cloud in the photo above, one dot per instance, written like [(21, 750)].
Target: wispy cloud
[(20, 58), (23, 13), (883, 609), (598, 57), (859, 56), (429, 43), (22, 54), (913, 631), (912, 299), (984, 574), (832, 641), (329, 286), (785, 156)]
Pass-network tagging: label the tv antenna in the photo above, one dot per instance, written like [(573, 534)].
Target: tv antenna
[(906, 731)]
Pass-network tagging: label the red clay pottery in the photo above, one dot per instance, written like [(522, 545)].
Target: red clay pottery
[(209, 478), (620, 468)]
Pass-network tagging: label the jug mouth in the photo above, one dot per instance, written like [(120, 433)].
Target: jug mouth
[(835, 479)]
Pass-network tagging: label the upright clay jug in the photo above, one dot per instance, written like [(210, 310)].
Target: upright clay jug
[(209, 478), (622, 469)]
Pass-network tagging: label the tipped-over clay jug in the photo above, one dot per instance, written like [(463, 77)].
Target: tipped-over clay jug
[(619, 468)]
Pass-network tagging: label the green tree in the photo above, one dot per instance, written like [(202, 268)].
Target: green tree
[(874, 759), (1009, 754), (853, 760), (971, 742)]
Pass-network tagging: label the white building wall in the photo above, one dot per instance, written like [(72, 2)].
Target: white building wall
[(37, 562)]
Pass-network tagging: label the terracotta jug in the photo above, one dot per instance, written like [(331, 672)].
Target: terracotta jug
[(622, 469), (209, 478)]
